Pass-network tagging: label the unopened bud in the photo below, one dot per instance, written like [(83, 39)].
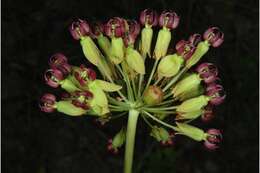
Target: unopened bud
[(153, 95)]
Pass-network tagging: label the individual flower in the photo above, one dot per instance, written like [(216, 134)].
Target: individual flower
[(98, 28), (53, 77), (208, 72), (57, 60), (132, 32), (195, 39), (185, 49), (81, 99), (168, 20), (115, 27), (83, 75), (214, 36), (79, 29), (148, 18), (60, 62), (213, 139), (216, 93), (47, 103), (207, 114)]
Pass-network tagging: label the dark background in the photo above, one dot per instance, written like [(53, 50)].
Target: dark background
[(37, 142)]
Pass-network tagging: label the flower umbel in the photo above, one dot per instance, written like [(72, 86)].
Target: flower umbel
[(168, 96)]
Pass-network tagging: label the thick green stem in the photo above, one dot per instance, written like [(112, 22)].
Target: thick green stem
[(130, 140)]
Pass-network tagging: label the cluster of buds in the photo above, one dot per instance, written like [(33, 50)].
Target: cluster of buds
[(172, 90)]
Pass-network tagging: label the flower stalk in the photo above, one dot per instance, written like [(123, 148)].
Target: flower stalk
[(130, 140)]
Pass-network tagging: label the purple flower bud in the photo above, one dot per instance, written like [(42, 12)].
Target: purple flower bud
[(195, 39), (79, 29), (185, 49), (208, 72), (84, 74), (207, 114), (214, 36), (53, 77), (216, 92), (132, 33), (60, 62), (213, 139), (47, 103), (148, 17), (115, 27), (98, 28), (169, 19)]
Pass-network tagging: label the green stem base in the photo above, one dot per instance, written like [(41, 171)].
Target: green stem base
[(130, 140)]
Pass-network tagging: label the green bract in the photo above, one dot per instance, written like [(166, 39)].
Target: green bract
[(135, 60), (162, 43), (193, 104), (68, 85), (98, 103), (186, 85), (104, 44), (189, 115), (146, 41), (68, 108), (107, 86), (117, 50), (90, 50), (191, 131), (169, 65), (194, 92)]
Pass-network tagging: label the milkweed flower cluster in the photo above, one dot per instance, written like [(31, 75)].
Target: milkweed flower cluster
[(177, 89)]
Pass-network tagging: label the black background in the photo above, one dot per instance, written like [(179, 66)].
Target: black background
[(37, 142)]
